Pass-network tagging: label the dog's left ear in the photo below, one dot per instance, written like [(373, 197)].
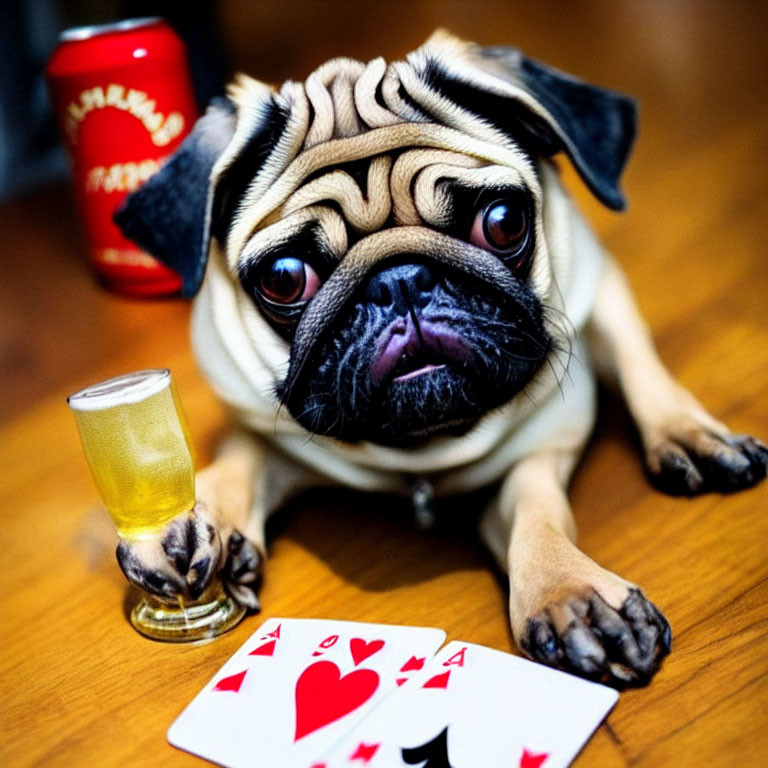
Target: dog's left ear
[(536, 105), (194, 196), (169, 215)]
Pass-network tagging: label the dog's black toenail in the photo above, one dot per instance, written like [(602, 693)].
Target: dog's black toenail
[(540, 642), (582, 650), (677, 476), (666, 636), (244, 595), (236, 540), (159, 584), (190, 533), (757, 454), (198, 577), (179, 545)]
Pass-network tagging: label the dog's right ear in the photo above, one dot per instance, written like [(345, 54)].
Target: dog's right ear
[(169, 215), (176, 212), (535, 105)]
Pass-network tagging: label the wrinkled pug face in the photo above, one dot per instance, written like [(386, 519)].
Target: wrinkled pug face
[(386, 222), (426, 339)]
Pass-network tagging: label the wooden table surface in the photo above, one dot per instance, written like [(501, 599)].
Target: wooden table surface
[(78, 687)]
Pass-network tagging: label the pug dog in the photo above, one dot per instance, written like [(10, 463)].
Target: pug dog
[(395, 293)]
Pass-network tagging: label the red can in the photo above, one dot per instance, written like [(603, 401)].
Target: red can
[(123, 96)]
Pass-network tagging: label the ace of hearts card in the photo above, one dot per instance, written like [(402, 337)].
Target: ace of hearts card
[(296, 687)]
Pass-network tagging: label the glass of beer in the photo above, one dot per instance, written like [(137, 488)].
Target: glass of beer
[(137, 445)]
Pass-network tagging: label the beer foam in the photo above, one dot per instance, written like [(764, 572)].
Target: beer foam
[(128, 389)]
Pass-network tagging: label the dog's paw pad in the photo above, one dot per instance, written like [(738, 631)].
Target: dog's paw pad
[(242, 571), (588, 637), (698, 462)]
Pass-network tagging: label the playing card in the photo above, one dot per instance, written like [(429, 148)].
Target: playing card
[(471, 706), (296, 686)]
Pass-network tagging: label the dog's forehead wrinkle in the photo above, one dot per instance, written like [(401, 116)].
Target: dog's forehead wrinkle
[(328, 241), (360, 199), (347, 110), (356, 169), (303, 243), (266, 194)]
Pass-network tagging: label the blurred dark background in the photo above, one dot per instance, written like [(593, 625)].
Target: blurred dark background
[(640, 47)]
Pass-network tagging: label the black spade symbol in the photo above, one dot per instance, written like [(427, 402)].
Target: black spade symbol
[(434, 752)]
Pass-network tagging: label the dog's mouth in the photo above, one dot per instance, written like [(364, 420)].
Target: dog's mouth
[(411, 348)]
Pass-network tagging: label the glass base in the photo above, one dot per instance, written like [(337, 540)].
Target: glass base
[(185, 623)]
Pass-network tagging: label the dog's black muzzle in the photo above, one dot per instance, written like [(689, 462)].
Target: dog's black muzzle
[(420, 347)]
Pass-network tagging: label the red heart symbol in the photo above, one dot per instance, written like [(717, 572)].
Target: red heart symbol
[(362, 650), (413, 663), (438, 681), (323, 695), (531, 760), (264, 650), (231, 683)]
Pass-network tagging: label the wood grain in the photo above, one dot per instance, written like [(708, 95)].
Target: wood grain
[(79, 687)]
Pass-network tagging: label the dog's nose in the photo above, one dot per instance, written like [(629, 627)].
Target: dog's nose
[(401, 287)]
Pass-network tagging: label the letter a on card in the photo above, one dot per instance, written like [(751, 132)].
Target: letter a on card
[(457, 659)]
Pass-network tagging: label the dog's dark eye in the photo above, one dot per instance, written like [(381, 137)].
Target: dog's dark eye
[(288, 280), (502, 227)]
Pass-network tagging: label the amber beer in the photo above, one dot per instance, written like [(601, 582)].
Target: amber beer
[(137, 444)]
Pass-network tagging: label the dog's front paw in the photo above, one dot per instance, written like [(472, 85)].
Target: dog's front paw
[(692, 460), (584, 635), (179, 562), (242, 571)]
